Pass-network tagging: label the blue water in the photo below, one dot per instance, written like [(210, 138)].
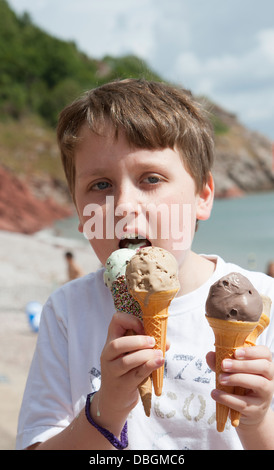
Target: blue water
[(240, 230)]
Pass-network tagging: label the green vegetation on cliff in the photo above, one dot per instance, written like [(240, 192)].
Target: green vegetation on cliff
[(40, 74)]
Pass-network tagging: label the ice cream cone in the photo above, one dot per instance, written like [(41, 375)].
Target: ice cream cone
[(229, 335), (251, 341), (145, 387), (115, 280), (155, 316), (145, 390)]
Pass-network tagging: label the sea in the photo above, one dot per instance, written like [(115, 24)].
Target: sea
[(240, 230)]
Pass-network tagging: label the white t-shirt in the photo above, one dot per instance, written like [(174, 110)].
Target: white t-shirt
[(66, 367)]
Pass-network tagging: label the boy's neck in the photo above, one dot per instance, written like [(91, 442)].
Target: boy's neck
[(195, 271)]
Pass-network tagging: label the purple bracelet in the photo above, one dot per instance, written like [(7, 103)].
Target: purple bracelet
[(107, 434)]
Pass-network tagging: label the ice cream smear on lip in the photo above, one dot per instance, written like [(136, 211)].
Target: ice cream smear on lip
[(133, 241), (234, 298), (152, 269)]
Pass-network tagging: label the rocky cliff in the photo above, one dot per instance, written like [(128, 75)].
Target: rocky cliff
[(244, 159)]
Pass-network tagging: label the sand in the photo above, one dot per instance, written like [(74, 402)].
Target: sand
[(31, 267)]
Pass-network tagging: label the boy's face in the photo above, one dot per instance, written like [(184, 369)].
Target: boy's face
[(123, 192)]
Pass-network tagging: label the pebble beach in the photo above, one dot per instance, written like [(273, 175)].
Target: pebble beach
[(31, 267)]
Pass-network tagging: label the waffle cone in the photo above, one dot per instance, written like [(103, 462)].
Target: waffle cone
[(229, 335), (145, 390), (251, 341), (155, 316), (145, 387)]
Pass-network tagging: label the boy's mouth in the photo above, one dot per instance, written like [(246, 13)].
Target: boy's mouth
[(129, 240)]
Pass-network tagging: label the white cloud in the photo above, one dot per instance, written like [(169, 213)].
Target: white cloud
[(266, 41), (230, 72), (243, 83)]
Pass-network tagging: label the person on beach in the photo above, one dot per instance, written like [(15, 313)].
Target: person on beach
[(134, 143), (74, 271)]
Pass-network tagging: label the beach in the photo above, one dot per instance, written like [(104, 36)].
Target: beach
[(31, 267)]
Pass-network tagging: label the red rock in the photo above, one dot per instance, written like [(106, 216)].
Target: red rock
[(20, 211)]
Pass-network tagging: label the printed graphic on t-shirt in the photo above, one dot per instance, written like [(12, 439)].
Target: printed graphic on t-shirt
[(187, 380)]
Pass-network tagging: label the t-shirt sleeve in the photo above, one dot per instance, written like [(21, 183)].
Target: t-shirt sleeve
[(47, 406)]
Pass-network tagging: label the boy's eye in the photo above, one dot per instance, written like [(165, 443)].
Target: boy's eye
[(152, 179), (101, 185)]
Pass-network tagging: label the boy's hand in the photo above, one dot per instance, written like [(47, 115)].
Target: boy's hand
[(252, 369), (125, 362)]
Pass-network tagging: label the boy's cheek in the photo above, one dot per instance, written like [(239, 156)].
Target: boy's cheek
[(177, 226), (102, 249)]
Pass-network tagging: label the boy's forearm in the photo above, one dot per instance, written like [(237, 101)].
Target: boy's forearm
[(259, 436), (79, 435)]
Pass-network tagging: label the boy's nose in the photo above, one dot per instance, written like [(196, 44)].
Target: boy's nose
[(127, 206), (127, 201)]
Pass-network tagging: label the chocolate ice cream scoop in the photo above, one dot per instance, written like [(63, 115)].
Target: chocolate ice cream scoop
[(234, 298)]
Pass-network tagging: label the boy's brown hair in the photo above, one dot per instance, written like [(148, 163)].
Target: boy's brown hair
[(153, 115)]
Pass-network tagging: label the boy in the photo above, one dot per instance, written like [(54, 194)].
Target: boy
[(135, 143)]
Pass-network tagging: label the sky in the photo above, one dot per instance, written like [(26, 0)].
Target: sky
[(218, 48)]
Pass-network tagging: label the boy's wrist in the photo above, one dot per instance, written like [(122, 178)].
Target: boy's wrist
[(120, 442), (246, 424), (258, 435), (104, 416)]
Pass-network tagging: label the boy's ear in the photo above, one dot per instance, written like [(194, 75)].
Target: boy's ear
[(205, 200)]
